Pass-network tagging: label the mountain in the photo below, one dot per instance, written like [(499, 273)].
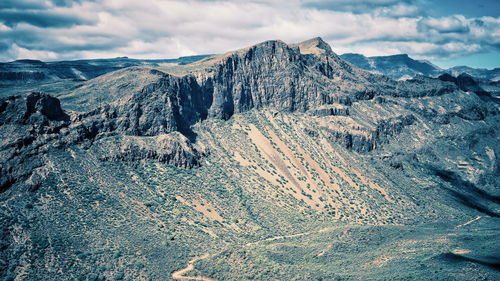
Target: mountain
[(402, 66), (493, 74), (273, 162), (395, 66), (35, 71)]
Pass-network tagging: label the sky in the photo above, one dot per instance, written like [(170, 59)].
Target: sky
[(445, 32)]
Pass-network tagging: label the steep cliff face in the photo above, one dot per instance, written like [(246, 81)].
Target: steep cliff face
[(295, 77), (27, 125), (366, 139), (165, 105), (33, 124), (269, 74)]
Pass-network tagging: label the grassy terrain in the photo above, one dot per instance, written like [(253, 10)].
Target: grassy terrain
[(364, 252), (263, 178)]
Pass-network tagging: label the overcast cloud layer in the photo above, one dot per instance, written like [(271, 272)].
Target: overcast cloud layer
[(73, 29)]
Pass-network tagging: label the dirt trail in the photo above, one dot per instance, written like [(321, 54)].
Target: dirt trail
[(469, 222), (180, 274), (287, 236)]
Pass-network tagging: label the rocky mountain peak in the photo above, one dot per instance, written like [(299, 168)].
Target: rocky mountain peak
[(315, 46)]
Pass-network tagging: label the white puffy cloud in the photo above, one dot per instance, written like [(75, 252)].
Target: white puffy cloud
[(170, 28)]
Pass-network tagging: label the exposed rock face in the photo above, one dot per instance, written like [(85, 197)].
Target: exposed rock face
[(307, 76), (337, 110), (32, 124), (366, 139), (27, 125), (167, 105), (45, 105), (174, 149), (465, 82), (295, 78), (34, 106), (304, 77)]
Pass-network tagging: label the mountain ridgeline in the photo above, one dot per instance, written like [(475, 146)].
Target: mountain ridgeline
[(403, 67), (276, 161), (301, 77)]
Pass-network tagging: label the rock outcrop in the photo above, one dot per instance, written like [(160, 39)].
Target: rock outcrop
[(465, 82), (174, 149), (27, 124), (364, 139)]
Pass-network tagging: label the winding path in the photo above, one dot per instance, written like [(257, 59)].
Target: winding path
[(180, 274), (287, 236)]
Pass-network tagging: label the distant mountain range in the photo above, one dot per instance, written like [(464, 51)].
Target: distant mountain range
[(402, 66), (34, 70), (396, 66)]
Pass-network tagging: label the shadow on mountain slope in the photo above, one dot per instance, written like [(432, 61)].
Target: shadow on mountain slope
[(467, 193), (489, 261)]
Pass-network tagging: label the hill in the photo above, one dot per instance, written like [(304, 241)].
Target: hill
[(276, 161)]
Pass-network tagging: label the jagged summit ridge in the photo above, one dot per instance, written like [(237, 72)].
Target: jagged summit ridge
[(315, 46)]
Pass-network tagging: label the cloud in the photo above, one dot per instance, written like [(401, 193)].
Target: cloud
[(454, 24), (63, 29), (383, 7), (40, 19), (37, 4)]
